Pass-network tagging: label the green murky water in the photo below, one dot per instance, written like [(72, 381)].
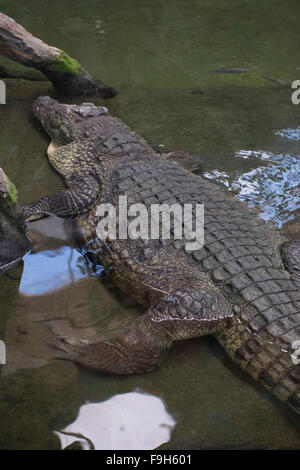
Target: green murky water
[(243, 127)]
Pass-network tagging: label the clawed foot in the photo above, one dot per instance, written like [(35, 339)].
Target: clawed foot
[(130, 351), (29, 216), (67, 347)]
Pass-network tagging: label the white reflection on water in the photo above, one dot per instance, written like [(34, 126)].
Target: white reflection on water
[(274, 188), (289, 133), (51, 269), (124, 422)]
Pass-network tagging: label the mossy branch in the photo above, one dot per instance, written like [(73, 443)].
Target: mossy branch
[(66, 73), (8, 191)]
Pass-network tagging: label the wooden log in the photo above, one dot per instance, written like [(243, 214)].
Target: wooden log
[(67, 75)]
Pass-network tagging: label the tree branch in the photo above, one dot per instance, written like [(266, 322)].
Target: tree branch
[(66, 74)]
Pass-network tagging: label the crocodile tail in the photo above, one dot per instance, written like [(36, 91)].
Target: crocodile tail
[(275, 366)]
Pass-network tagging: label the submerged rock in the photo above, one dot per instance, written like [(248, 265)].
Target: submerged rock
[(13, 241)]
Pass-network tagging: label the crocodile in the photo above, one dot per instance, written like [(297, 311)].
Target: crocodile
[(241, 286)]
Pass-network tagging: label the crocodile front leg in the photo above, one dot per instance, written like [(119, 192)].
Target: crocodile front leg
[(188, 313), (80, 195)]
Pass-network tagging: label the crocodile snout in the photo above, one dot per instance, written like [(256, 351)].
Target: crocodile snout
[(41, 102)]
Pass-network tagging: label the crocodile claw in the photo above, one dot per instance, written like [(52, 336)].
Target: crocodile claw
[(69, 347)]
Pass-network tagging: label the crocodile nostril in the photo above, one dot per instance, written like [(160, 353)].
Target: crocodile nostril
[(42, 101)]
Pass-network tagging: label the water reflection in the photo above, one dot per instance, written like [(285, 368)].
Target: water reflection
[(289, 133), (54, 227), (273, 188), (51, 269), (128, 421)]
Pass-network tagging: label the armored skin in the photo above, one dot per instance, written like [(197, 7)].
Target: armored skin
[(242, 286)]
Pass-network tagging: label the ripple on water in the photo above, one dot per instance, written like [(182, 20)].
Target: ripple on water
[(289, 133), (273, 187)]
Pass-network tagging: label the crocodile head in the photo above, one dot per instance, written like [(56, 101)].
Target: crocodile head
[(65, 122)]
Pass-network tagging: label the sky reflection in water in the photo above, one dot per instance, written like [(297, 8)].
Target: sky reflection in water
[(274, 187), (289, 133), (51, 269), (128, 421)]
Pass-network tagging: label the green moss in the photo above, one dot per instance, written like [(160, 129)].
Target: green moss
[(65, 64), (13, 193)]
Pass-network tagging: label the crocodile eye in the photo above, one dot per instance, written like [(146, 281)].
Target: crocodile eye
[(54, 124), (65, 130), (90, 110)]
